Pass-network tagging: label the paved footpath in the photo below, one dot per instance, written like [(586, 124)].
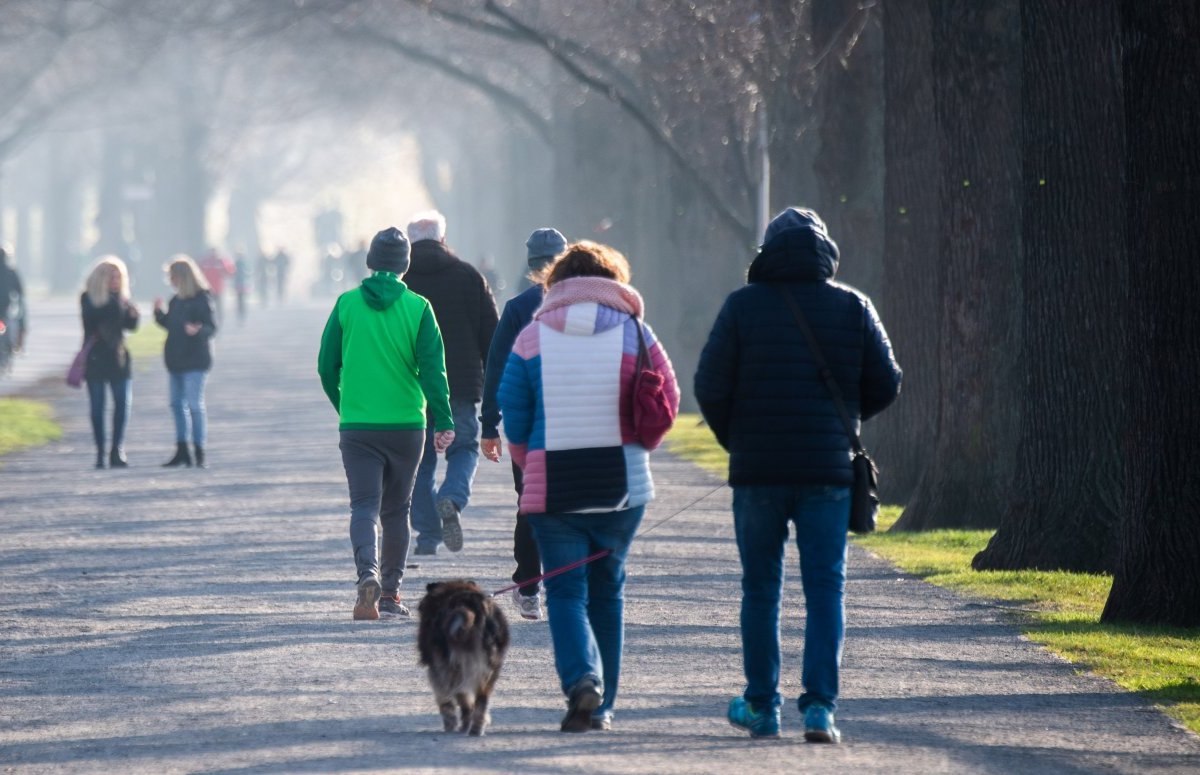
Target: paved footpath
[(156, 621)]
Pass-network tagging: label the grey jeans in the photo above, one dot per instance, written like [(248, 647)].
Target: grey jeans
[(380, 469)]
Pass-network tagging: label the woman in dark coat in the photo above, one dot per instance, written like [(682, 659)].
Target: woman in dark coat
[(188, 354), (107, 314)]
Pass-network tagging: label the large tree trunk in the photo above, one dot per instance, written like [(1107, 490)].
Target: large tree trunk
[(62, 220), (1063, 505), (849, 167), (977, 101), (902, 438), (1157, 579), (110, 215)]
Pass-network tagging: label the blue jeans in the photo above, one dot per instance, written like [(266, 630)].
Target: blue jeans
[(122, 393), (822, 516), (462, 458), (187, 402), (587, 604)]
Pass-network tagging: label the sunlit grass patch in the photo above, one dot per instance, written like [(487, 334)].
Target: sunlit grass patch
[(25, 423), (147, 341), (694, 441), (1057, 609)]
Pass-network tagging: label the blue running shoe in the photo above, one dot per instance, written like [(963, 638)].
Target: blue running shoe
[(818, 725), (764, 723)]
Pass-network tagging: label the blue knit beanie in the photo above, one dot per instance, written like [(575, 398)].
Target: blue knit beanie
[(543, 245)]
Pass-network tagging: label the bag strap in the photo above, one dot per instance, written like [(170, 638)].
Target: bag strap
[(643, 355), (835, 390)]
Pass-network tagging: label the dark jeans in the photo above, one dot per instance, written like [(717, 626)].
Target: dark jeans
[(761, 515), (122, 393), (525, 550), (380, 469)]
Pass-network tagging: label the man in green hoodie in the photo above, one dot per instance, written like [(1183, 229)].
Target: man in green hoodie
[(383, 367)]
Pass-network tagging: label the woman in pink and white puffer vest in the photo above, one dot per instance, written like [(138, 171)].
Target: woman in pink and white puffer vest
[(566, 400)]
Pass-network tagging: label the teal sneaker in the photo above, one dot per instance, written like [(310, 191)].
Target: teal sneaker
[(763, 723), (818, 725)]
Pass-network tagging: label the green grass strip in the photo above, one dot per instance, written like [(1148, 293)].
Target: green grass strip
[(25, 424), (1057, 609), (147, 342)]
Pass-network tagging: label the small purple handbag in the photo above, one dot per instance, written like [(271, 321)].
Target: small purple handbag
[(78, 368)]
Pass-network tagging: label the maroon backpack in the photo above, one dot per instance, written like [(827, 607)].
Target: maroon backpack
[(653, 414)]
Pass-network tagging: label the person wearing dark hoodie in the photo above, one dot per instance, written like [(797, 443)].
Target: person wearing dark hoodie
[(382, 366), (761, 392), (542, 247), (466, 313)]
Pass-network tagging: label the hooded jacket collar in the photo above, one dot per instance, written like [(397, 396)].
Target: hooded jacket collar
[(586, 305), (381, 290)]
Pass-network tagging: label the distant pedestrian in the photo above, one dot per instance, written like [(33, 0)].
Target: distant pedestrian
[(566, 398), (216, 267), (542, 247), (283, 271), (241, 283), (760, 390), (382, 365), (190, 326), (264, 277), (14, 315), (108, 313), (466, 314)]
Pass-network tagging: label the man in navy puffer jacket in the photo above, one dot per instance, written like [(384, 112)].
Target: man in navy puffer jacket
[(759, 389)]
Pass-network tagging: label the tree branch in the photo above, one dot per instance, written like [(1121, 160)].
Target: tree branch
[(496, 93), (728, 215)]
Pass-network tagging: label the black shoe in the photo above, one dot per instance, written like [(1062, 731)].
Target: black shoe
[(99, 458), (182, 457), (583, 699), (116, 458), (200, 456), (425, 550)]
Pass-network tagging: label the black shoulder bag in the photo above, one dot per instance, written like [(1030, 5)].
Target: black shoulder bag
[(864, 497)]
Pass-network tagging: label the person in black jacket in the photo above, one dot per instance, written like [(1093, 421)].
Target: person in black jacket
[(188, 353), (541, 249), (761, 393), (466, 314), (107, 314)]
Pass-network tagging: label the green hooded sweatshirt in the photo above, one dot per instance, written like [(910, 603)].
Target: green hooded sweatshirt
[(382, 362)]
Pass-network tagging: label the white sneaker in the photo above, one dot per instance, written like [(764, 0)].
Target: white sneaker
[(530, 606)]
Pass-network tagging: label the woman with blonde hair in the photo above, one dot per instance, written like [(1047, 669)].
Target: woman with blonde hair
[(567, 402), (107, 314), (188, 354)]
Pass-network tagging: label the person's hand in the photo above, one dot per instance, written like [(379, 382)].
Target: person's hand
[(158, 304), (192, 328), (492, 449), (442, 441)]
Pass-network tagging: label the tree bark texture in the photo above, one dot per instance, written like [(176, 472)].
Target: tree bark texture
[(902, 438), (1157, 580), (849, 166), (977, 102), (1062, 508)]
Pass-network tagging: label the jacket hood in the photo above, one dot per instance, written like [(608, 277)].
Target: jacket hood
[(429, 255), (588, 305), (795, 254), (796, 247), (381, 290)]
